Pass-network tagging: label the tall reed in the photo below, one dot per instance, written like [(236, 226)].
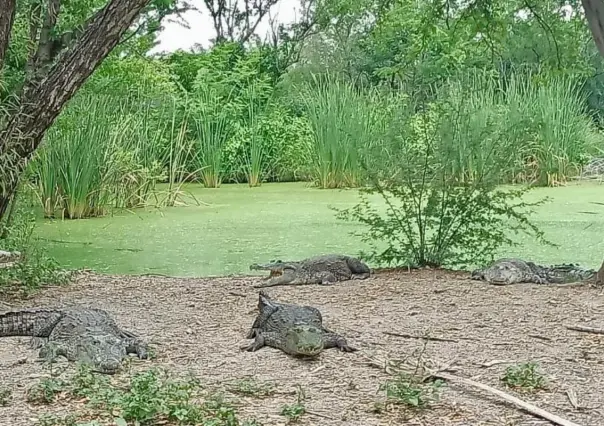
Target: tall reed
[(254, 157), (74, 164), (341, 119), (212, 128)]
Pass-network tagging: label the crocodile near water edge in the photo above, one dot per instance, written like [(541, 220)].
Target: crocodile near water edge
[(323, 269), (87, 335), (513, 271), (296, 330)]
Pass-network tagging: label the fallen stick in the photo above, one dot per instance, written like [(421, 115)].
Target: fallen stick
[(584, 329), (411, 336), (507, 397)]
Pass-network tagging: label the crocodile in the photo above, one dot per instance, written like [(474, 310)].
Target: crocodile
[(87, 335), (324, 269), (296, 330), (513, 270)]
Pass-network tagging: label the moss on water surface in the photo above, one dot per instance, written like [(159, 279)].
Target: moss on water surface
[(236, 225)]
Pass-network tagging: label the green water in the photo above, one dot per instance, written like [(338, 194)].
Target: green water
[(239, 226)]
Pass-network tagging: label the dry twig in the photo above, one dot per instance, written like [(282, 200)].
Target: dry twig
[(410, 336), (507, 397), (585, 329)]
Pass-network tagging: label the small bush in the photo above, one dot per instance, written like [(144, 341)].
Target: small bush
[(6, 396), (525, 377), (35, 268), (435, 215), (407, 391), (149, 397), (45, 391)]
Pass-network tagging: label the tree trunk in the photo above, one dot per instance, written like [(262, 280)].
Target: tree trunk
[(600, 276), (7, 17), (594, 12), (42, 100)]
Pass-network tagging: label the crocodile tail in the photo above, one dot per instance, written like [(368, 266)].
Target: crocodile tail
[(28, 323)]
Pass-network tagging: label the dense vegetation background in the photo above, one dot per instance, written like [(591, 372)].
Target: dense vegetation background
[(430, 102)]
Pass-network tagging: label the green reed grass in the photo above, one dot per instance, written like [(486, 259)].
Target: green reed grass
[(73, 166), (110, 151), (254, 157), (341, 118), (525, 132), (212, 128)]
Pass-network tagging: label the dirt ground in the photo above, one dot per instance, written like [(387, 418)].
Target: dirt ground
[(198, 325)]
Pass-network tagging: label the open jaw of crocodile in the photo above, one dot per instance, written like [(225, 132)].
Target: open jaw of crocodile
[(323, 269)]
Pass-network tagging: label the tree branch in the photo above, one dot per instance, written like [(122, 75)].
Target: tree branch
[(43, 100), (594, 12)]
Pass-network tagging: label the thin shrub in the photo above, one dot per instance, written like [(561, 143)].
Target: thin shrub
[(35, 268), (431, 215)]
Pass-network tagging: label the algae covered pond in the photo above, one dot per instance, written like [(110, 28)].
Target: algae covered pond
[(236, 225)]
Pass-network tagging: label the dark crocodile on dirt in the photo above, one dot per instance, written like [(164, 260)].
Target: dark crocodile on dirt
[(295, 329), (87, 335), (513, 271), (324, 269)]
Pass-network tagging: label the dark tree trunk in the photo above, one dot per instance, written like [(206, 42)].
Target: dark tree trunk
[(42, 100), (7, 18), (600, 276), (594, 12)]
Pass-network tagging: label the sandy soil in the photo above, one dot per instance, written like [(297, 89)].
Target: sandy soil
[(197, 326)]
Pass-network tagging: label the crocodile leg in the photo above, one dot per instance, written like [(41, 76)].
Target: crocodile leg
[(135, 346), (274, 340), (334, 340), (362, 276), (258, 343), (50, 351)]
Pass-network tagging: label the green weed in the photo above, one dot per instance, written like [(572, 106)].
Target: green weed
[(405, 390), (250, 387), (524, 377), (6, 396)]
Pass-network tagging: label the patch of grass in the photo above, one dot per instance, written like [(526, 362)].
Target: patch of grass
[(293, 412), (67, 420), (251, 387), (35, 268), (524, 377), (148, 397), (6, 395), (45, 391), (407, 391)]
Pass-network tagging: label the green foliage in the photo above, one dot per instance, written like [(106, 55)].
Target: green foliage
[(343, 121), (407, 391), (293, 412), (149, 397), (522, 90), (525, 377), (45, 391), (34, 268), (6, 396), (436, 215)]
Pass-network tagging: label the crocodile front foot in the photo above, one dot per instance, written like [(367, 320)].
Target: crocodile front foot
[(258, 343)]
